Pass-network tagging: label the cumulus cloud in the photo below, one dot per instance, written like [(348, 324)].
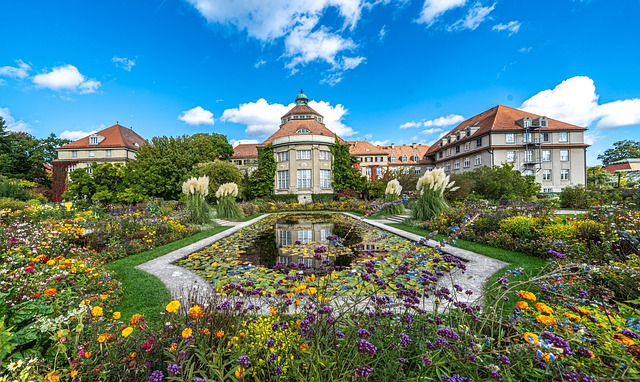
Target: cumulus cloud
[(197, 116), (66, 77), (74, 135), (236, 142), (385, 142), (512, 27), (450, 119), (475, 16), (263, 119), (123, 63), (20, 71), (432, 9), (306, 39), (575, 101), (432, 130), (11, 123)]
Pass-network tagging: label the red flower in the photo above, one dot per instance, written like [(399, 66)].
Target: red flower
[(30, 268)]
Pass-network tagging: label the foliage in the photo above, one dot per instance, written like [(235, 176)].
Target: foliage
[(261, 181), (11, 204), (392, 193), (407, 177), (623, 149), (346, 205), (219, 172), (375, 189), (195, 191), (162, 165), (598, 177), (499, 182), (322, 198), (575, 197), (283, 198), (11, 189), (227, 207), (345, 175), (519, 226), (431, 202), (104, 183)]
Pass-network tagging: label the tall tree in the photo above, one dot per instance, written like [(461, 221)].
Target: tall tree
[(261, 181), (345, 176), (621, 150)]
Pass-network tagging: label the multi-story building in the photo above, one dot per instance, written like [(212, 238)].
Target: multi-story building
[(115, 144), (375, 161), (302, 152), (372, 160), (245, 156), (552, 151)]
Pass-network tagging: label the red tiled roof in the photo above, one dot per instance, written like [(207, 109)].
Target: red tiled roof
[(114, 136), (245, 150), (408, 150), (301, 109), (294, 125), (502, 118), (364, 148)]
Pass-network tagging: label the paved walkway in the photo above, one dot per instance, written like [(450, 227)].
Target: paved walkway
[(183, 283)]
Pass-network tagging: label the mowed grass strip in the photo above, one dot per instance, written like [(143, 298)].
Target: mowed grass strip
[(145, 293)]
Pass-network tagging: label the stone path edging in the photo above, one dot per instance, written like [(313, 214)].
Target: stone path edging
[(182, 282)]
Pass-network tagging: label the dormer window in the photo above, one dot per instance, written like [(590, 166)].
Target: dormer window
[(543, 121), (403, 158), (303, 131), (93, 140), (415, 158), (527, 123)]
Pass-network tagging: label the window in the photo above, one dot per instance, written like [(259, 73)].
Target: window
[(324, 155), (467, 133), (510, 138), (403, 158), (546, 155), (563, 136), (511, 156), (418, 170), (368, 159), (564, 155), (448, 153), (304, 178), (72, 167), (440, 155), (547, 189), (447, 167), (564, 174), (478, 160), (238, 162), (392, 159), (543, 122), (92, 153), (285, 237), (479, 142), (526, 138), (527, 123), (415, 158), (74, 153), (93, 140), (283, 156), (325, 178), (467, 146), (456, 165), (305, 236), (367, 171), (528, 156), (283, 180), (303, 154), (458, 149), (302, 131), (107, 153), (467, 162), (546, 174), (89, 170), (379, 171), (545, 136)]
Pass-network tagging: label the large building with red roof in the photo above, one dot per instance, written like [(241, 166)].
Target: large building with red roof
[(115, 144), (552, 151)]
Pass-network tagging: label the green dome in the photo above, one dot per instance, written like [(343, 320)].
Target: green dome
[(301, 99)]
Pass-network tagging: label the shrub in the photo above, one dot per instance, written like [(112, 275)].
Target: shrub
[(322, 198), (12, 204), (284, 198), (559, 231), (589, 230), (521, 227), (195, 191), (575, 197), (227, 206), (13, 190)]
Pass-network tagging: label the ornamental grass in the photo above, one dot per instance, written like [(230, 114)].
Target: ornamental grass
[(431, 202), (227, 207), (391, 198), (195, 191)]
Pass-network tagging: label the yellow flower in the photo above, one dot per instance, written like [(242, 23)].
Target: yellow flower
[(300, 288), (623, 339), (103, 337), (311, 277), (52, 376), (531, 338), (273, 310), (51, 262), (311, 291), (174, 347), (127, 331), (173, 306), (239, 372), (116, 315), (572, 317), (74, 373), (543, 308), (522, 305), (187, 332), (103, 297), (546, 320), (88, 354), (96, 311), (196, 312), (527, 295)]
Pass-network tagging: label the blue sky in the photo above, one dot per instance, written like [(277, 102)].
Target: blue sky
[(387, 71)]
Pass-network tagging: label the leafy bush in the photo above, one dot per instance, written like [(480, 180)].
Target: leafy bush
[(9, 189), (284, 198), (219, 172), (322, 198), (575, 197), (559, 231), (521, 227), (589, 230), (11, 204)]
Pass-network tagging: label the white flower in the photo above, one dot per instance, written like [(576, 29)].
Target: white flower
[(436, 180), (227, 189), (393, 187), (196, 186)]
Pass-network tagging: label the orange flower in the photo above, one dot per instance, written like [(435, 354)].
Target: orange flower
[(239, 372), (52, 376), (127, 331), (304, 347), (136, 319), (174, 347), (273, 310), (623, 339), (50, 291), (196, 312), (88, 354), (173, 306), (103, 337), (205, 332), (527, 295), (522, 305), (543, 308), (187, 332), (219, 333), (546, 320)]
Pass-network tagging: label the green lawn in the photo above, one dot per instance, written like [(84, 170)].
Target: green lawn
[(143, 292)]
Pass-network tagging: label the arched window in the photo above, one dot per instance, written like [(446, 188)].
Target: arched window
[(403, 158), (303, 131)]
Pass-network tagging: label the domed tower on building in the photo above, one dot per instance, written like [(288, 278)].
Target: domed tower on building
[(302, 152)]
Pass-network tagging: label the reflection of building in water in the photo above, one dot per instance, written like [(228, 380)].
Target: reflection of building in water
[(287, 234)]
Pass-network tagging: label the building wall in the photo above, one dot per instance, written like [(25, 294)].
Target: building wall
[(99, 153), (315, 164)]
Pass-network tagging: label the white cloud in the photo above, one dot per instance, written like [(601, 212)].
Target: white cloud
[(575, 101), (475, 16), (386, 142), (21, 71), (66, 77), (432, 9), (382, 34), (432, 130), (450, 119), (259, 63), (74, 135), (11, 123), (526, 50), (263, 119), (298, 22), (512, 27), (197, 116), (123, 63), (236, 142)]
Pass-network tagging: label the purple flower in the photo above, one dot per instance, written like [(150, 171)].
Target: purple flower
[(456, 378), (339, 334), (244, 361), (363, 371), (584, 293), (504, 360), (277, 370), (557, 254), (367, 347), (629, 333), (156, 376), (364, 333), (173, 369), (402, 360), (426, 360), (203, 379), (448, 333), (325, 310), (405, 340)]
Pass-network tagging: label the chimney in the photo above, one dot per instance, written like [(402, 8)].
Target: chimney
[(392, 145), (414, 145)]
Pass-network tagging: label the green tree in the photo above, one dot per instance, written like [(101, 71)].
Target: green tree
[(499, 182), (345, 176), (598, 177), (261, 181), (219, 172), (4, 143), (621, 150)]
